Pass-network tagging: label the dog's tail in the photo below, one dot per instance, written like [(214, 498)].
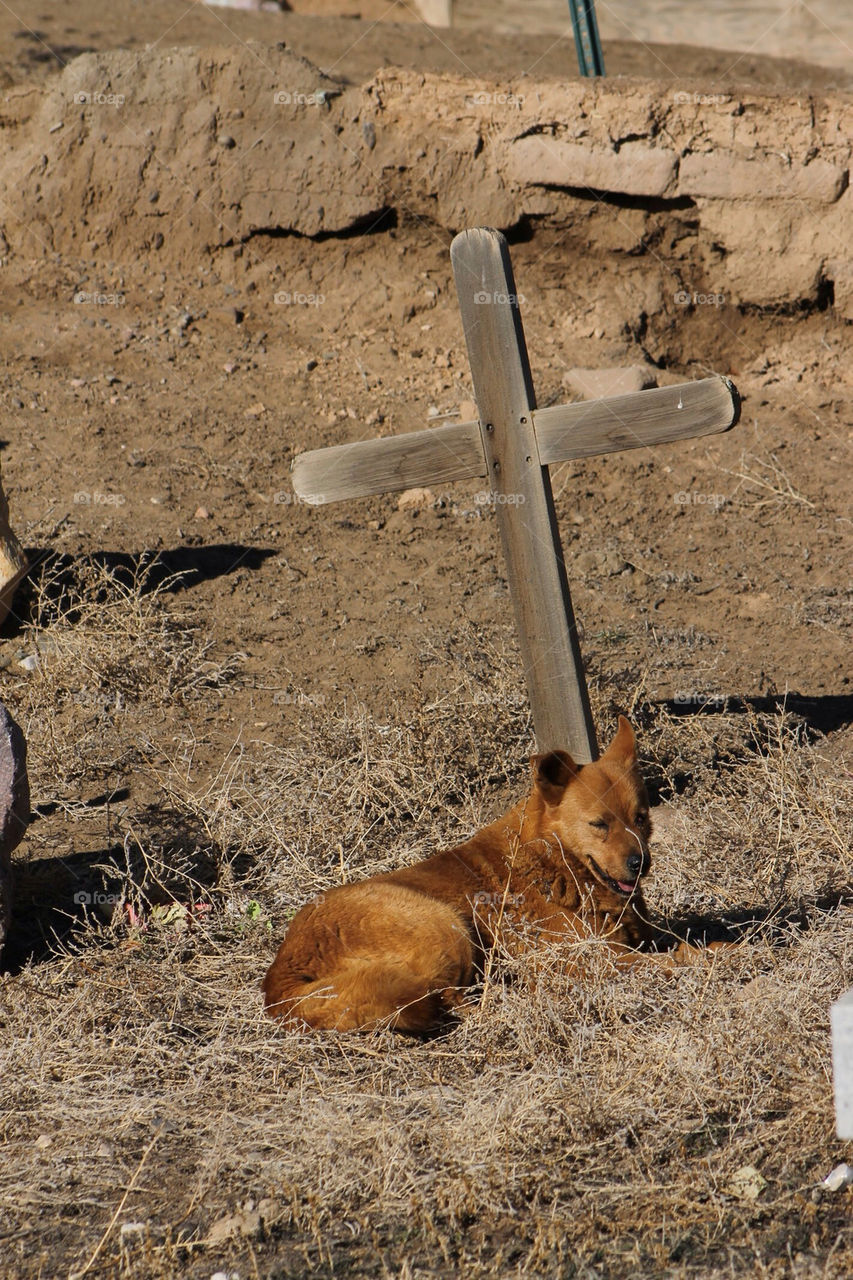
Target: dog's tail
[(365, 994)]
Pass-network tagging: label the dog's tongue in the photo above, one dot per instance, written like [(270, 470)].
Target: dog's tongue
[(626, 888)]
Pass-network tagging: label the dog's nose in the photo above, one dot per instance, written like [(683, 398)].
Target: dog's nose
[(634, 863)]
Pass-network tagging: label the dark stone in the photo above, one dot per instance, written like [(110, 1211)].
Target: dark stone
[(14, 807)]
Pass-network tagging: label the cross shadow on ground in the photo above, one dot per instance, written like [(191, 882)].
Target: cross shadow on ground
[(773, 924), (825, 713)]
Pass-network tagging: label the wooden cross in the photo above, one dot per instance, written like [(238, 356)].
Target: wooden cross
[(513, 444)]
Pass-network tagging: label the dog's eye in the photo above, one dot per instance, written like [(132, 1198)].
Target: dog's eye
[(642, 817), (599, 824)]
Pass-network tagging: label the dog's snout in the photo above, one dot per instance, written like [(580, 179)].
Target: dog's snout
[(634, 863)]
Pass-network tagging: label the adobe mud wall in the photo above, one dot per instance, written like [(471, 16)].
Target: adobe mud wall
[(181, 153)]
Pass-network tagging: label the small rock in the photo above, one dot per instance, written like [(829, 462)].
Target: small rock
[(225, 140), (841, 1176), (746, 1183), (602, 562), (414, 499), (368, 132), (601, 384), (309, 365), (255, 410), (201, 513), (43, 1141), (247, 1223), (129, 1229), (77, 382), (229, 368)]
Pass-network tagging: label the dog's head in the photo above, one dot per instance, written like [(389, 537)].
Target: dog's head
[(599, 811)]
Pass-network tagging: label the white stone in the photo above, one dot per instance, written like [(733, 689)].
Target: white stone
[(841, 1016)]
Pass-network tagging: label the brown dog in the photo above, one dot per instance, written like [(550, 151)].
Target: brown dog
[(401, 949)]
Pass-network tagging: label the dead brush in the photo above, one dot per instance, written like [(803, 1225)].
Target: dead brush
[(102, 647)]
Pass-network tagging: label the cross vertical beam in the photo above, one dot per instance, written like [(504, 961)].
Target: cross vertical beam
[(521, 492)]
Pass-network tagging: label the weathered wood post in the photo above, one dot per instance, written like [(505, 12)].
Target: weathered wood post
[(512, 445), (521, 489)]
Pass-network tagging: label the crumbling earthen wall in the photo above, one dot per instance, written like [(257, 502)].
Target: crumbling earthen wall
[(184, 151)]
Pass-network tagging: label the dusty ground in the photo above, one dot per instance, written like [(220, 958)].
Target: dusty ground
[(293, 694)]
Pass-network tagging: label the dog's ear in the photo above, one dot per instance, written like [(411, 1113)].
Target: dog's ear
[(552, 773), (624, 744)]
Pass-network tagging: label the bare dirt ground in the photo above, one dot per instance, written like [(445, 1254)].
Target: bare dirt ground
[(233, 699)]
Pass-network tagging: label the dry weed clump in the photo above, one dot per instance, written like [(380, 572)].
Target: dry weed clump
[(157, 1125), (102, 651)]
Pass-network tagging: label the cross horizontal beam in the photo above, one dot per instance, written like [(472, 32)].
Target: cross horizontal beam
[(445, 454)]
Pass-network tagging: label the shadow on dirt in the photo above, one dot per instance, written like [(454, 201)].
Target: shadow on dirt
[(826, 713), (774, 924), (169, 861), (57, 578)]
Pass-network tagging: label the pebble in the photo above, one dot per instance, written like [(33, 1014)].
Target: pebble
[(415, 499), (841, 1176), (201, 513), (599, 384), (131, 1229), (604, 562), (225, 140)]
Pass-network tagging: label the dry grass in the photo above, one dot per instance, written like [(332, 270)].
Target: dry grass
[(155, 1124)]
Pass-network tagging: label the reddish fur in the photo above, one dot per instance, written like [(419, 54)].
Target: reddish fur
[(400, 949)]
